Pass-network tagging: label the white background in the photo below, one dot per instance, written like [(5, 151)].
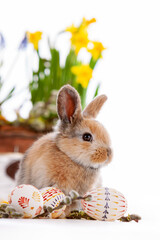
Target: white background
[(130, 77)]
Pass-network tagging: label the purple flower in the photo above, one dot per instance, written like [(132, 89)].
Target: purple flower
[(23, 44), (2, 41)]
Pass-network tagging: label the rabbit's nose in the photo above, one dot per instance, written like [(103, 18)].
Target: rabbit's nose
[(109, 151)]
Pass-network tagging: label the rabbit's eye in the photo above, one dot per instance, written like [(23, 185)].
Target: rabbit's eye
[(87, 137)]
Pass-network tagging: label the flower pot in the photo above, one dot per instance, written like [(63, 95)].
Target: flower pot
[(17, 138)]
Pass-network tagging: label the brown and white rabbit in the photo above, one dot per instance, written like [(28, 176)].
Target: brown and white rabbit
[(70, 157)]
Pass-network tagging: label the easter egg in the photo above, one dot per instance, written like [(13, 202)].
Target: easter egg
[(52, 197), (106, 204), (27, 200)]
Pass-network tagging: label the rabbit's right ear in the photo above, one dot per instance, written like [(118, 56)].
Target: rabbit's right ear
[(68, 104), (93, 108)]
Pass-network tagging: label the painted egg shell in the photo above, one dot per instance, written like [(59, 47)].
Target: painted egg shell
[(106, 205), (26, 199), (52, 197)]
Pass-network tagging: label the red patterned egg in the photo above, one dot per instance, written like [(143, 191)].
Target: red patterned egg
[(52, 197), (26, 199), (106, 205)]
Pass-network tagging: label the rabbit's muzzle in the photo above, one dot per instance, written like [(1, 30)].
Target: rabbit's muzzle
[(101, 154)]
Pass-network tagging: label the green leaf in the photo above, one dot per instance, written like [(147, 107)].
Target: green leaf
[(42, 83), (67, 76), (55, 69), (93, 63), (97, 90), (9, 95), (82, 92)]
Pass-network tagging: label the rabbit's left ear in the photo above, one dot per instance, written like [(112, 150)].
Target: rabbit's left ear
[(93, 108), (68, 104)]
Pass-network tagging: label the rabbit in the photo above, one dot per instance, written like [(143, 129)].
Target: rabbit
[(70, 157)]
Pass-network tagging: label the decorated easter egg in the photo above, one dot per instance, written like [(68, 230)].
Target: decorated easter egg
[(106, 204), (52, 197), (27, 200)]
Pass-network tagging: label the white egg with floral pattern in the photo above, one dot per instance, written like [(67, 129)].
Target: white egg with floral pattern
[(26, 199)]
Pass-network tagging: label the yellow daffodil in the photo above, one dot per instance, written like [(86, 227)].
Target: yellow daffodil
[(79, 37), (79, 40), (96, 49), (34, 38), (85, 23), (72, 29), (83, 73)]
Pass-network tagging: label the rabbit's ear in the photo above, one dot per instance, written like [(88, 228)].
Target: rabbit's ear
[(94, 107), (68, 104)]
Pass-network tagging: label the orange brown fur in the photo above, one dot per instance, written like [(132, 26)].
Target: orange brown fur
[(100, 155), (63, 159), (92, 109), (67, 174)]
